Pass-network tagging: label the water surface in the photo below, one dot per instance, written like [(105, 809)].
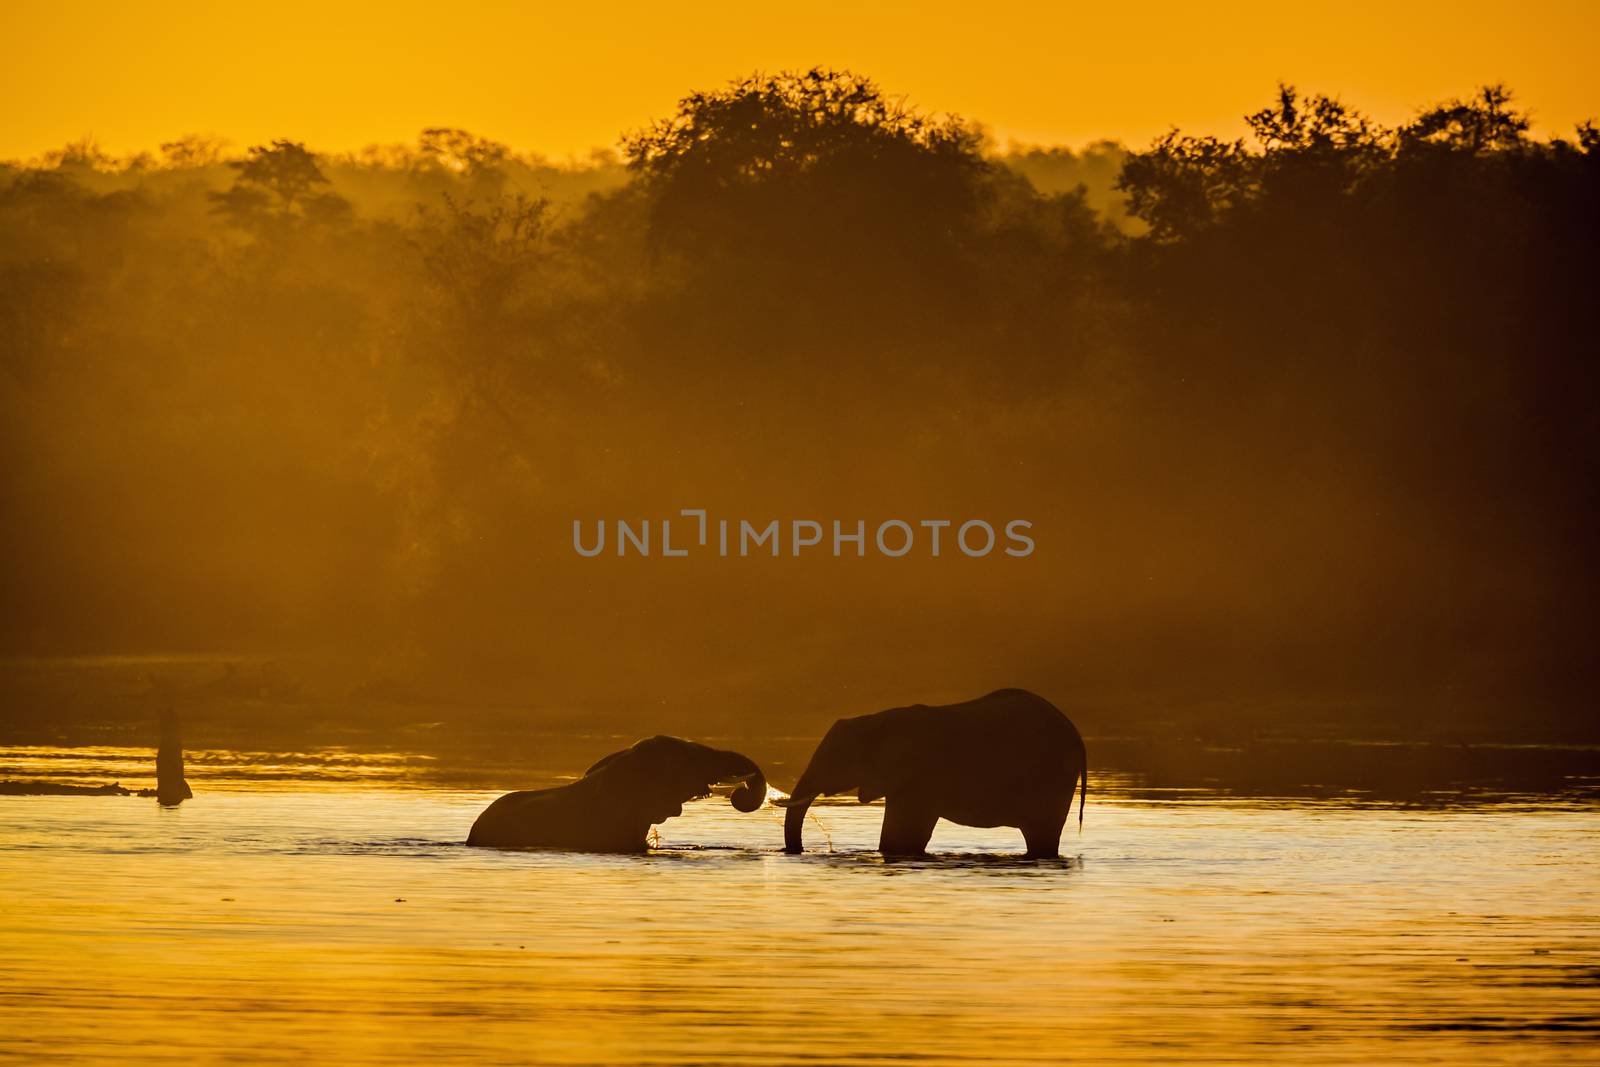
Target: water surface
[(320, 908)]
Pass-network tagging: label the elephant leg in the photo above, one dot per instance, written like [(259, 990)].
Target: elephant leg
[(906, 829), (1044, 837)]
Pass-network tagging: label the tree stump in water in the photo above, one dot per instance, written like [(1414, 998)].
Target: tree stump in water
[(171, 787)]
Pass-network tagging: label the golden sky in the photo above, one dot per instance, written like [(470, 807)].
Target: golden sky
[(561, 79)]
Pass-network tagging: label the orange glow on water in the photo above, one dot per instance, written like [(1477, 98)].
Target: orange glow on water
[(351, 926)]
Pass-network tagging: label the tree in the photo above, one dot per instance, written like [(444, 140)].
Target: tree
[(479, 264), (461, 152), (476, 160), (1484, 123), (803, 203), (192, 151), (1181, 185), (276, 183), (83, 155), (1305, 149), (776, 158), (765, 127)]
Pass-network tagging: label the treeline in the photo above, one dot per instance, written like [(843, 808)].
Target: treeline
[(1304, 421)]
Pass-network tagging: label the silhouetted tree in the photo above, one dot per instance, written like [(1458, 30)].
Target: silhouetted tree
[(279, 180), (480, 263), (1485, 123), (193, 150), (1407, 300), (460, 151), (800, 195), (1322, 423), (84, 155), (792, 154), (1055, 170)]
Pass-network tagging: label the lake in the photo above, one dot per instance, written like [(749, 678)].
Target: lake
[(321, 908)]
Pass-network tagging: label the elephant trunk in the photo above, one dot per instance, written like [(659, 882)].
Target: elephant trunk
[(794, 821), (752, 792)]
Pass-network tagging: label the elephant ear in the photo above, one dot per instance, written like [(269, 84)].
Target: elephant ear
[(663, 798), (606, 760), (882, 760), (649, 779), (879, 777)]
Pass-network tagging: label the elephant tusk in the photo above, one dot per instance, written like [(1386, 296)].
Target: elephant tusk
[(789, 802)]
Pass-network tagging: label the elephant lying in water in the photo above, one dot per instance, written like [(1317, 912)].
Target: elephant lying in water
[(1006, 759), (612, 807)]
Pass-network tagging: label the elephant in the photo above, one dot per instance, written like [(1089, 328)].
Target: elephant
[(1007, 759), (612, 807)]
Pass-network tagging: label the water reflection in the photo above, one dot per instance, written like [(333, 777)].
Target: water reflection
[(1419, 774), (338, 918), (216, 768)]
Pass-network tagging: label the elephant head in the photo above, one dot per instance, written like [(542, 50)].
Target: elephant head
[(851, 756), (661, 772)]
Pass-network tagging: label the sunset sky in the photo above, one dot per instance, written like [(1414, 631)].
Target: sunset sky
[(561, 80)]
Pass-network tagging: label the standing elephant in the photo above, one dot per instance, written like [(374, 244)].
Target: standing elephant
[(1007, 759), (612, 807)]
